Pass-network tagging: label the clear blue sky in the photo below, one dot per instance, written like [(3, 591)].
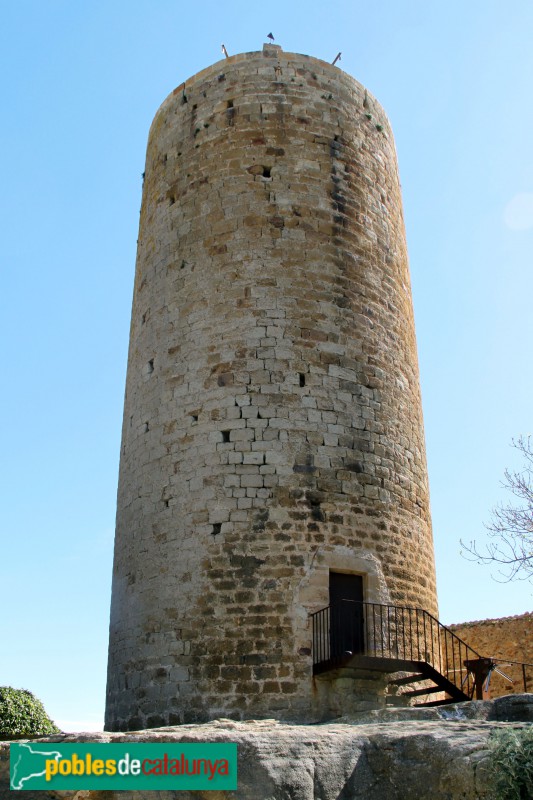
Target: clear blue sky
[(81, 82)]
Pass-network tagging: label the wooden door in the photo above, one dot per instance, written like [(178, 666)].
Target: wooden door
[(346, 610)]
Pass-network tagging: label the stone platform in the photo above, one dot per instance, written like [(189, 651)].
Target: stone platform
[(391, 754)]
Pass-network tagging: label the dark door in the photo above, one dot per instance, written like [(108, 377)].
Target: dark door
[(346, 609)]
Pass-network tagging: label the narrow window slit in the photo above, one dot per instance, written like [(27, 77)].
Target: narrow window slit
[(225, 436), (217, 527), (302, 379)]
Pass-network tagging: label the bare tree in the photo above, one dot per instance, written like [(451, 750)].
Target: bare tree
[(510, 543)]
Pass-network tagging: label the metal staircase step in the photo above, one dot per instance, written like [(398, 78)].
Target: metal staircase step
[(419, 676), (426, 690), (446, 702)]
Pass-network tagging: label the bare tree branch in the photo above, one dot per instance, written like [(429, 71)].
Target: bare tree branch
[(511, 527)]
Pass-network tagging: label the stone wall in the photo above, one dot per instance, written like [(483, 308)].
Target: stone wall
[(272, 421), (506, 639)]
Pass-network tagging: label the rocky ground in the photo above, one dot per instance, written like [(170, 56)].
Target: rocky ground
[(392, 754)]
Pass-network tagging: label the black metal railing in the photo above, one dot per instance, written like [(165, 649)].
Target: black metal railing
[(400, 633), (520, 673)]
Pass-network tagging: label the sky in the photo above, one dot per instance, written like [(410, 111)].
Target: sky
[(81, 83)]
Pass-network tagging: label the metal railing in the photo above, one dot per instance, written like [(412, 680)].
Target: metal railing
[(400, 633), (521, 672)]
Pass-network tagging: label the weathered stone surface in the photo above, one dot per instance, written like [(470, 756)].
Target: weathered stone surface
[(272, 421), (393, 754)]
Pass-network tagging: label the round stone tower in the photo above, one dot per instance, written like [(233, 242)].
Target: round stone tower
[(273, 430)]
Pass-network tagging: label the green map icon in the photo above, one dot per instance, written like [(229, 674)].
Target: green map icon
[(28, 765)]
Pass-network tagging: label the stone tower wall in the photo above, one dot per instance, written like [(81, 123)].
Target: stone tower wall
[(272, 423)]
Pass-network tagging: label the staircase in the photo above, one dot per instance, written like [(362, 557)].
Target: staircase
[(431, 682), (409, 644)]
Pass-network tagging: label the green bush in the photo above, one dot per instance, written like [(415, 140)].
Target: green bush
[(511, 767), (22, 715)]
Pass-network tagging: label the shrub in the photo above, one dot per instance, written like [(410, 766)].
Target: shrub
[(22, 715), (511, 766)]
